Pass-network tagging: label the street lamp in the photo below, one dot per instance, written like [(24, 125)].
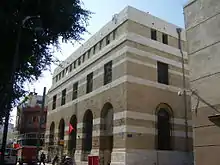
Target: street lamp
[(179, 30), (14, 65)]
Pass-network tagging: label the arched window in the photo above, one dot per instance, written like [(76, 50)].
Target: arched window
[(164, 130)]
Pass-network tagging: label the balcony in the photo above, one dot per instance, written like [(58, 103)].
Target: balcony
[(30, 136)]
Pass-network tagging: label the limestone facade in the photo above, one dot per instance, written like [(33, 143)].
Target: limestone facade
[(202, 21), (115, 110)]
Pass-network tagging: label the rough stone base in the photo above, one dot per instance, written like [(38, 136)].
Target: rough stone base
[(145, 157), (153, 157)]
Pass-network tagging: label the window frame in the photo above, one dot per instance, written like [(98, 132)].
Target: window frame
[(75, 90), (162, 73), (165, 38), (54, 103), (154, 34), (63, 97), (108, 73), (89, 83)]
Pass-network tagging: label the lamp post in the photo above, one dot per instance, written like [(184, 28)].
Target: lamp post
[(179, 30), (13, 69)]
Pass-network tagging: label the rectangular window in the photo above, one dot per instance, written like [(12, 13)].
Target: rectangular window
[(107, 39), (108, 73), (59, 75), (100, 45), (165, 38), (89, 84), (70, 67), (54, 102), (56, 78), (94, 49), (162, 73), (79, 61), (63, 73), (75, 91), (113, 34), (153, 34), (67, 70), (63, 98), (88, 53), (83, 57), (74, 64)]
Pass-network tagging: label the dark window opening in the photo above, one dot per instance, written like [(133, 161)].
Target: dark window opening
[(162, 73), (165, 39), (100, 45), (114, 34), (63, 99), (88, 54), (153, 34), (71, 67), (75, 91), (83, 57), (79, 61), (108, 73), (89, 84), (63, 73), (107, 39), (54, 102), (74, 64), (94, 49), (164, 130)]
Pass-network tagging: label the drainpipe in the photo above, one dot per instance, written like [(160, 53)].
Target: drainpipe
[(179, 30)]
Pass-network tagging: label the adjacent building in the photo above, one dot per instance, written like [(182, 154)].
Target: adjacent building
[(10, 135), (202, 21), (119, 93), (27, 121)]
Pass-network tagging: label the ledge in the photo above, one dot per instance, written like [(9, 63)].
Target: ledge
[(215, 119), (189, 3)]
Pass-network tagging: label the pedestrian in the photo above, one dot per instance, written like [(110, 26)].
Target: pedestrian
[(42, 158), (55, 159), (68, 161)]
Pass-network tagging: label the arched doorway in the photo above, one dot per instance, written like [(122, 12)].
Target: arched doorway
[(72, 136), (87, 133), (61, 129), (51, 148), (164, 128), (61, 136), (106, 137), (51, 134)]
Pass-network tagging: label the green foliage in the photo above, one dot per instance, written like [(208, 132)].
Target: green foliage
[(51, 20)]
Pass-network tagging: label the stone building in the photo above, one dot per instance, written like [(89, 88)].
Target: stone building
[(202, 21), (119, 92), (27, 121)]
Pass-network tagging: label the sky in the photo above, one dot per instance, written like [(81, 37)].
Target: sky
[(103, 10)]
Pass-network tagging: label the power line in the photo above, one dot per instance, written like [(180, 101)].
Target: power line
[(204, 101)]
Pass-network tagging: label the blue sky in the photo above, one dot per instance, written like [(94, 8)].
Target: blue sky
[(168, 10)]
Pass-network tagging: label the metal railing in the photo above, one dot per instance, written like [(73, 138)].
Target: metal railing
[(30, 136)]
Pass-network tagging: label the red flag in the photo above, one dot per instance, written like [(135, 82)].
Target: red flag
[(70, 128)]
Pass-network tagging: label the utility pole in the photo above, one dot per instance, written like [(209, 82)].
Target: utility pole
[(179, 30), (40, 122)]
